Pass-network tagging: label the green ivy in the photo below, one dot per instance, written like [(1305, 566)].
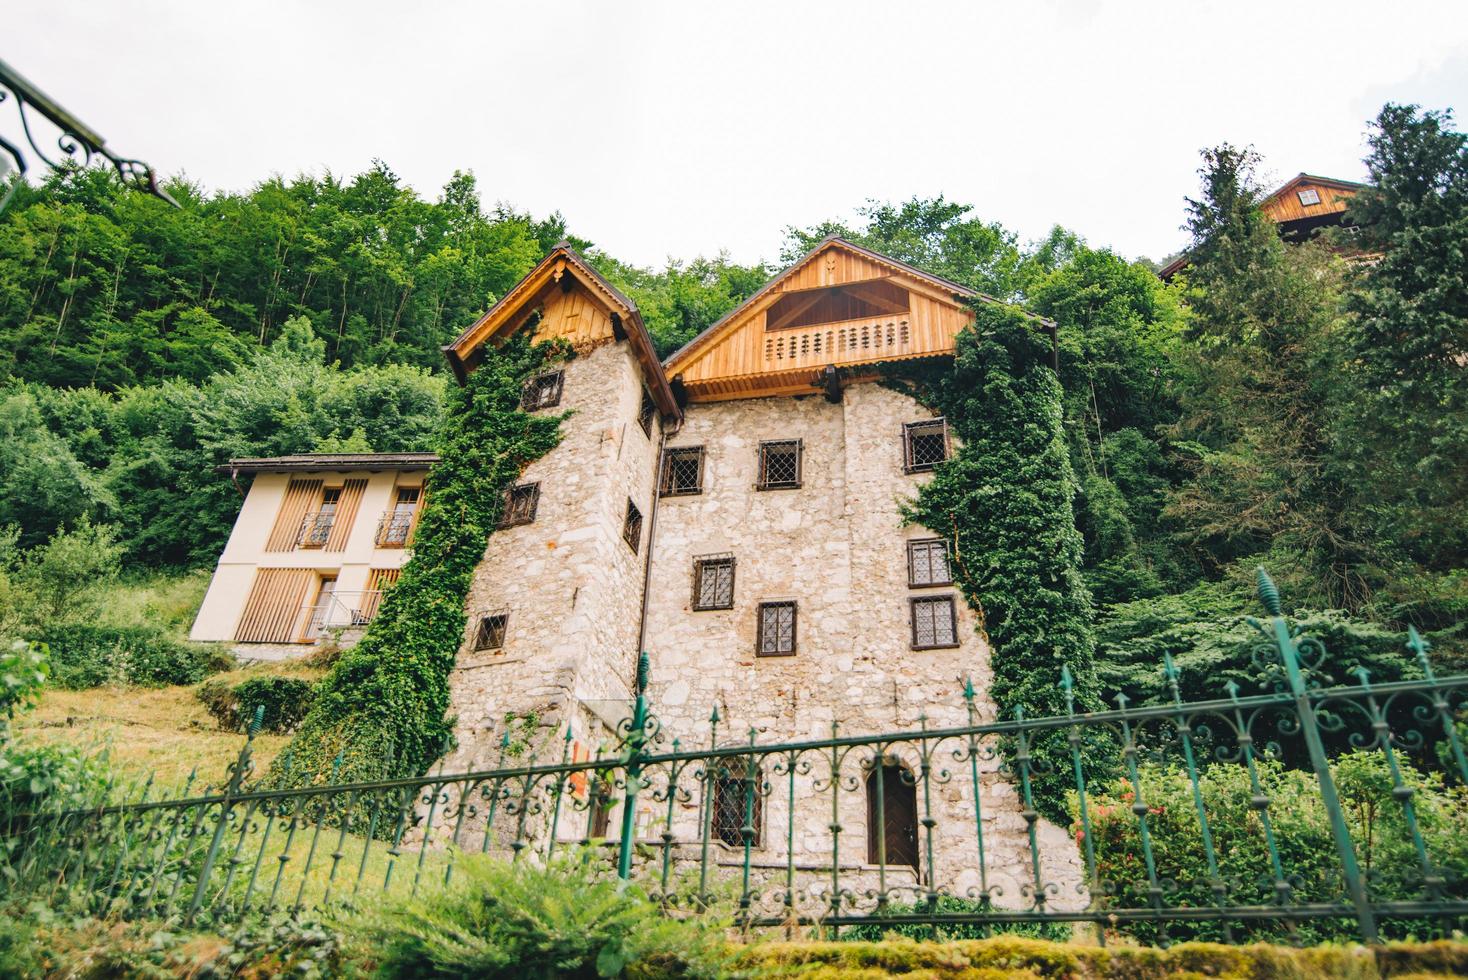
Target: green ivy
[(383, 708), (1005, 502)]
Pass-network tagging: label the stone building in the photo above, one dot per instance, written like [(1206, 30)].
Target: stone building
[(737, 513)]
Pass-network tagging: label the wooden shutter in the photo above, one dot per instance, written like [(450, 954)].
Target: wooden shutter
[(274, 607), (300, 497), (381, 578), (346, 515)]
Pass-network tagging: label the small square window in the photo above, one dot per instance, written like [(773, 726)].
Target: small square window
[(924, 445), (927, 563), (713, 582), (1308, 196), (632, 526), (520, 504), (682, 471), (491, 633), (776, 629), (934, 624), (646, 413), (779, 465), (543, 391)]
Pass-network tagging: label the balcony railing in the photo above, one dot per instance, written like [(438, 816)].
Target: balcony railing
[(339, 610), (315, 530), (394, 528)]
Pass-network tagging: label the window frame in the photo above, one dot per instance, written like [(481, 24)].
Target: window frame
[(533, 490), (1300, 196), (933, 600), (647, 410), (700, 563), (484, 633), (665, 480), (912, 545), (765, 447), (632, 526), (909, 464), (538, 384), (759, 633), (726, 780)]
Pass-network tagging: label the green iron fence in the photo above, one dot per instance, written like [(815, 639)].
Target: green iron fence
[(932, 826)]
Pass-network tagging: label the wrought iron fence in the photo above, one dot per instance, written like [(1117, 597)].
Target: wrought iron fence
[(932, 826)]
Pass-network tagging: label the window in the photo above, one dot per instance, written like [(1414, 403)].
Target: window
[(682, 471), (520, 504), (713, 582), (1308, 196), (543, 391), (491, 633), (927, 563), (776, 629), (924, 445), (632, 526), (933, 623), (397, 524), (646, 412), (316, 528), (736, 796), (779, 465)]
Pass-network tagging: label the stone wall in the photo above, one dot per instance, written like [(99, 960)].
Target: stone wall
[(569, 583)]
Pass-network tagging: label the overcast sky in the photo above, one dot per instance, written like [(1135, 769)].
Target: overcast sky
[(673, 129)]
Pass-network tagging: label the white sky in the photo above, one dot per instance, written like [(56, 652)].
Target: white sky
[(673, 129)]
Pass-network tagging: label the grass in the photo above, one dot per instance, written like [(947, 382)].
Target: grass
[(165, 599)]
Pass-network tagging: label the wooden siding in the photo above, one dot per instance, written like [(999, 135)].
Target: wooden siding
[(273, 610), (346, 515), (301, 497), (574, 316), (378, 580), (756, 353), (1285, 205)]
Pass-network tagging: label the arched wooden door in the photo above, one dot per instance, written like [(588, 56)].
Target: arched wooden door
[(892, 816)]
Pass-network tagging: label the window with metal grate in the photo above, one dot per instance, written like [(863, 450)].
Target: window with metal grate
[(682, 471), (520, 504), (646, 412), (924, 445), (934, 625), (713, 582), (927, 563), (491, 633), (737, 796), (632, 526), (776, 629), (543, 391), (780, 465)]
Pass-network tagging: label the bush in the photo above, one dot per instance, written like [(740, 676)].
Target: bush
[(943, 932), (1301, 831), (285, 700), (85, 656), (572, 919)]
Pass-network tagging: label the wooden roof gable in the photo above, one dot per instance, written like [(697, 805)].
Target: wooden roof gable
[(1284, 205), (839, 305), (576, 303)]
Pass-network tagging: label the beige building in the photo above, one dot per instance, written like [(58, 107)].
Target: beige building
[(318, 539)]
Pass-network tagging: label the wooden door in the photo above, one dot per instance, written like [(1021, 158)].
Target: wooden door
[(893, 820)]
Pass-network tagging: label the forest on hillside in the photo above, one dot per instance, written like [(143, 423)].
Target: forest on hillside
[(1277, 404)]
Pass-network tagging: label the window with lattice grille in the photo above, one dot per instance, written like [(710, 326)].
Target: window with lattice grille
[(713, 582), (632, 526), (682, 471), (543, 391), (934, 623), (520, 504), (491, 632), (779, 465), (737, 798), (924, 445), (776, 629), (927, 563), (646, 412)]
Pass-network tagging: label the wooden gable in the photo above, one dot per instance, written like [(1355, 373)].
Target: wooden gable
[(1306, 197), (839, 306), (565, 299)]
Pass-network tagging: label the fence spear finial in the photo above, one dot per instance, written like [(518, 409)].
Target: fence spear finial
[(1268, 592)]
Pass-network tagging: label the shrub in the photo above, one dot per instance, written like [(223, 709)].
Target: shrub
[(23, 670), (943, 932), (1302, 832), (572, 919), (85, 656), (285, 700)]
